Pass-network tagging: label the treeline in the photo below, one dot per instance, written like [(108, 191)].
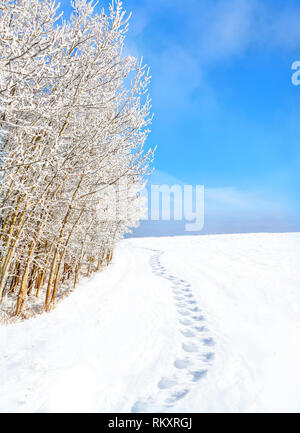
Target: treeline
[(74, 116)]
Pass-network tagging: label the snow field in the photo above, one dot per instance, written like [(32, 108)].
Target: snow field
[(198, 324)]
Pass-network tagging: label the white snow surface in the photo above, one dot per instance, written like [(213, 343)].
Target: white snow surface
[(183, 324)]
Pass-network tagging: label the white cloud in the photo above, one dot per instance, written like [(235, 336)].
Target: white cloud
[(234, 201), (226, 29), (228, 201), (180, 75), (213, 30)]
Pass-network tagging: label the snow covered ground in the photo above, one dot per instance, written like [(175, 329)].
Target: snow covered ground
[(198, 324)]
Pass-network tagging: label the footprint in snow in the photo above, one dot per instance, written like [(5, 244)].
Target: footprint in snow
[(185, 322), (201, 328), (190, 347), (181, 363), (166, 383), (208, 342), (179, 298), (199, 318), (198, 375), (180, 305), (187, 333), (190, 301), (177, 396), (194, 309), (184, 312), (207, 356)]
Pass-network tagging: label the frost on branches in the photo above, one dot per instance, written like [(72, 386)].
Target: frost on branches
[(74, 115)]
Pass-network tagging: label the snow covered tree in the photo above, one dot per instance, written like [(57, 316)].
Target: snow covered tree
[(74, 118)]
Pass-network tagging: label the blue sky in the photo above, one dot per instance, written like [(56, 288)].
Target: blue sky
[(226, 113)]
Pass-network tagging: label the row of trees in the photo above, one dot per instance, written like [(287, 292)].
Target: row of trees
[(74, 117)]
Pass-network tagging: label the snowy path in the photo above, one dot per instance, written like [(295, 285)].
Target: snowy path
[(187, 324), (196, 353)]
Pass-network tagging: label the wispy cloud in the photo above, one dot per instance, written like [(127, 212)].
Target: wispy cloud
[(227, 210), (233, 200), (219, 28)]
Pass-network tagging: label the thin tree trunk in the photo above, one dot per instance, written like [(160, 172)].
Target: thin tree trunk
[(63, 255), (23, 287)]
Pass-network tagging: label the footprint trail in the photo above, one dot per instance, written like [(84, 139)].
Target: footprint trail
[(196, 354)]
